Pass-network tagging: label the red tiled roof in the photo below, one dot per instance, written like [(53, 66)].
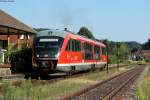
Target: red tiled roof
[(9, 21), (146, 53), (145, 50)]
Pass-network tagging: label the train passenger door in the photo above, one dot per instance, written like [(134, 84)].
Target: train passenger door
[(83, 52), (87, 52), (97, 53)]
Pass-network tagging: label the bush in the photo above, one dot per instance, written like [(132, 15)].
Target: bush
[(21, 60), (147, 59), (112, 59)]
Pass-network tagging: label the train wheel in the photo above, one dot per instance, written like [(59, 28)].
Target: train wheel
[(44, 77), (93, 67), (27, 75), (69, 73), (105, 66), (73, 68), (35, 76), (101, 68), (31, 75)]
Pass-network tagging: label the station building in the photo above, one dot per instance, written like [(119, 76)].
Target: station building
[(13, 33)]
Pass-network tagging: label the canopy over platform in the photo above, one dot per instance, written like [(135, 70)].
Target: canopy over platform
[(10, 25)]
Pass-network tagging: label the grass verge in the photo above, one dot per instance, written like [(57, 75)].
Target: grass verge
[(33, 91), (143, 86)]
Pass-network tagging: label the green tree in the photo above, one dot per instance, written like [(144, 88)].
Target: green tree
[(124, 50), (146, 46), (84, 31), (121, 50)]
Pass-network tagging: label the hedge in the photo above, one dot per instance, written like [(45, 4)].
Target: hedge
[(21, 60)]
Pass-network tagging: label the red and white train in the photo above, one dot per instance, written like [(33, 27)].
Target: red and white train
[(55, 50)]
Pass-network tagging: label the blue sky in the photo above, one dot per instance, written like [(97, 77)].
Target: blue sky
[(117, 20)]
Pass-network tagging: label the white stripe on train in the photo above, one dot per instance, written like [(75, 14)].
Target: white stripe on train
[(74, 64), (79, 66)]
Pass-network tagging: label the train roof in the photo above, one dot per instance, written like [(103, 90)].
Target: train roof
[(88, 40), (63, 33), (50, 32)]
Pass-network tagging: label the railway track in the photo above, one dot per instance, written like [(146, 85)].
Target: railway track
[(107, 89)]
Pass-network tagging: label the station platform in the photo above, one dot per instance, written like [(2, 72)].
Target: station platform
[(5, 70)]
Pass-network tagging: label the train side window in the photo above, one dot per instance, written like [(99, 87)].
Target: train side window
[(97, 52), (88, 51), (77, 45), (73, 45), (69, 45)]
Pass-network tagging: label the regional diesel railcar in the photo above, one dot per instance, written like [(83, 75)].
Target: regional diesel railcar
[(55, 50)]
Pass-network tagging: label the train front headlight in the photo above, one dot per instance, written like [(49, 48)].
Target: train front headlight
[(37, 55), (57, 55)]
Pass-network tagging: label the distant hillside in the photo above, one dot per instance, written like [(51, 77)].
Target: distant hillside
[(40, 29), (133, 45), (146, 46)]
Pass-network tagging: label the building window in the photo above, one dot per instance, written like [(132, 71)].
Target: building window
[(3, 44), (22, 37)]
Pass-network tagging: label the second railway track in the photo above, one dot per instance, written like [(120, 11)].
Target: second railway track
[(107, 90)]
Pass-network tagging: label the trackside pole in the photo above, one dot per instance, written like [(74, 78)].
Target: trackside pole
[(107, 57), (118, 45)]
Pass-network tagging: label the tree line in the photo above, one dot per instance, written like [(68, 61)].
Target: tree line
[(117, 50)]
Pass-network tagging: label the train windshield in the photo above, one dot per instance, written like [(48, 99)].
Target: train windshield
[(48, 47)]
